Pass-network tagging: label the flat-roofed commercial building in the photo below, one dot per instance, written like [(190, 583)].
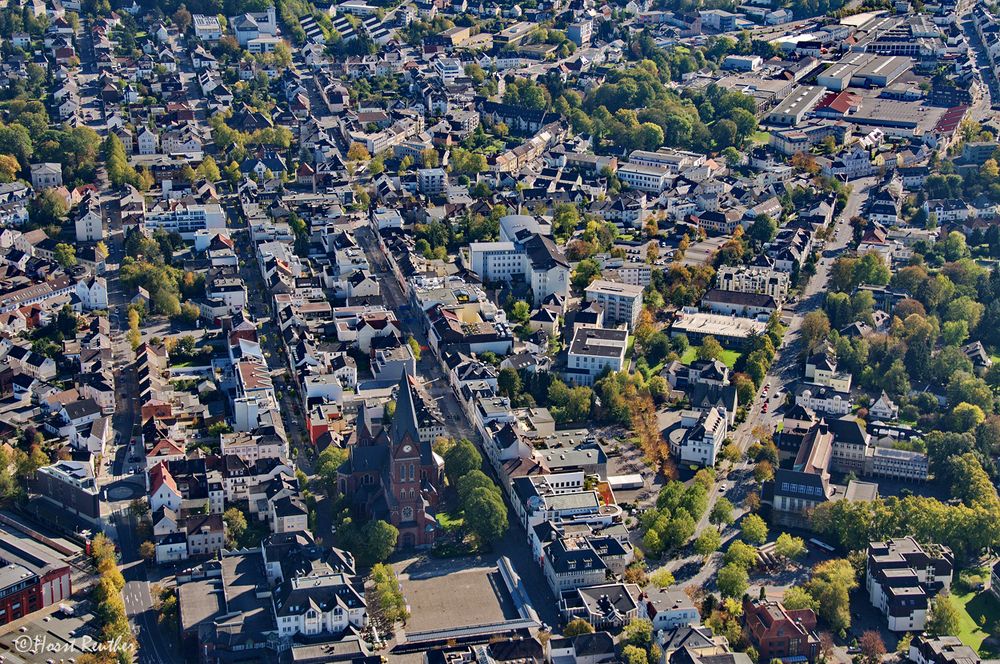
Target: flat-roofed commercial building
[(794, 107), (729, 331)]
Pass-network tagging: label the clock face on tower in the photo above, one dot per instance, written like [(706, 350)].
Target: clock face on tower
[(407, 448)]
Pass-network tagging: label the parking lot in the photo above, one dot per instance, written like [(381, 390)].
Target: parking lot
[(49, 635)]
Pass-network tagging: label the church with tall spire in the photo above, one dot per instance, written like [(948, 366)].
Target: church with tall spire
[(391, 473)]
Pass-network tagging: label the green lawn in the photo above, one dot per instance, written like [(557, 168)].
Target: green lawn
[(976, 610), (761, 137), (450, 520), (728, 358)]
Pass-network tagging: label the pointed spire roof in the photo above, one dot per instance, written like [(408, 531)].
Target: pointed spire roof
[(405, 421)]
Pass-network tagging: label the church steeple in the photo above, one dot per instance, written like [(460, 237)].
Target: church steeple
[(405, 421)]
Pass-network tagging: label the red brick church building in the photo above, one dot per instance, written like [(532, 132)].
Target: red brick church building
[(391, 475)]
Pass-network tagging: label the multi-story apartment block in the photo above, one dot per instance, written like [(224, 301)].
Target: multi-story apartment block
[(185, 219), (902, 575), (621, 302), (533, 258), (593, 350), (754, 279)]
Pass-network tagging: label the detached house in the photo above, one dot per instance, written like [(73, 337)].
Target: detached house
[(780, 633)]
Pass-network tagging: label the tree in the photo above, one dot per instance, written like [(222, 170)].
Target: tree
[(733, 580), (461, 459), (708, 542), (634, 654), (15, 140), (464, 162), (182, 19), (753, 529), (662, 578), (763, 471), (471, 481), (9, 168), (486, 514), (639, 633), (965, 417), (236, 525), (520, 312), (722, 512), (509, 382), (328, 463), (209, 170), (763, 229), (815, 328), (379, 539), (943, 618), (710, 349), (565, 219), (788, 546), (740, 554), (577, 626), (357, 152), (586, 271), (147, 551), (429, 158), (796, 598), (384, 598), (872, 647), (47, 208), (65, 254), (415, 347), (830, 585)]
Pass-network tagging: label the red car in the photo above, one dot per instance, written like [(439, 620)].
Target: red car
[(764, 409)]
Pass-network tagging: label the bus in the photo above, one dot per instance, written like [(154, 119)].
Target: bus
[(821, 545)]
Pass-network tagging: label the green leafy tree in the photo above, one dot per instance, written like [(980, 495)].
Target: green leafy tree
[(461, 459), (753, 529), (486, 514), (710, 349), (415, 347), (471, 481), (830, 585), (639, 633), (722, 512), (509, 382), (384, 598), (662, 578), (379, 539), (576, 627), (797, 597), (47, 208), (943, 618), (209, 170), (236, 525), (520, 312), (763, 229), (788, 546), (328, 463), (65, 254), (733, 580), (634, 655), (586, 271), (708, 542)]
